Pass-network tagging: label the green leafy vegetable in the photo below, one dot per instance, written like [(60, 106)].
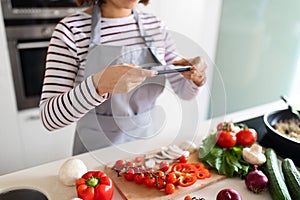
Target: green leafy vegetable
[(227, 161)]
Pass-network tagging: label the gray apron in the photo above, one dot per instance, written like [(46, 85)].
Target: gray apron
[(123, 117)]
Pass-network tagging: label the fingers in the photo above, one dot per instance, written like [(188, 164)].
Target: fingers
[(121, 78), (195, 61), (196, 74), (139, 72)]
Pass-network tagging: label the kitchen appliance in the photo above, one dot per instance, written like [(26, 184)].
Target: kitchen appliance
[(32, 9), (286, 146), (29, 26)]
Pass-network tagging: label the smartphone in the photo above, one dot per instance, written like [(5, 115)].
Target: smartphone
[(168, 69)]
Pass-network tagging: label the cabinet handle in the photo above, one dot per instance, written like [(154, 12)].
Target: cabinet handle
[(33, 118)]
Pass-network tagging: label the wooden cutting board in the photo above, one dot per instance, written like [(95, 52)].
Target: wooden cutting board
[(130, 190)]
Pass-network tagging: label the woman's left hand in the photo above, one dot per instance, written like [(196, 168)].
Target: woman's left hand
[(197, 73)]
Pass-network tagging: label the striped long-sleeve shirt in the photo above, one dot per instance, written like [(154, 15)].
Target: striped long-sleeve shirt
[(66, 97)]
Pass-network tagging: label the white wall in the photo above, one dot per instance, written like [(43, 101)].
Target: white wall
[(258, 54), (195, 27)]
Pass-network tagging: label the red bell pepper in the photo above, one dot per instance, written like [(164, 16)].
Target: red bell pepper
[(95, 185)]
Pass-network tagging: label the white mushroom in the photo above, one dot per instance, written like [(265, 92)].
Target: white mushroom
[(254, 155), (71, 170)]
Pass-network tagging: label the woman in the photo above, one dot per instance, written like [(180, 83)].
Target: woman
[(94, 73)]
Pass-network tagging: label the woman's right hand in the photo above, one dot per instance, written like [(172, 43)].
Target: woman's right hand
[(120, 78)]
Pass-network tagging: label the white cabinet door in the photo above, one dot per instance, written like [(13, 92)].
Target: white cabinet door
[(40, 145)]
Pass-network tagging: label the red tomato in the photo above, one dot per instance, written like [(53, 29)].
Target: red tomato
[(188, 197), (130, 164), (139, 178), (171, 177), (160, 183), (183, 159), (160, 174), (164, 166), (149, 180), (187, 180), (119, 164), (129, 174), (226, 139), (246, 137), (170, 188)]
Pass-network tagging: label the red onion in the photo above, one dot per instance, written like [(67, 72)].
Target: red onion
[(228, 194), (256, 180)]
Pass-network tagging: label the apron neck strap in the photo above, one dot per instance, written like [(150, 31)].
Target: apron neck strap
[(96, 26), (96, 30), (147, 38)]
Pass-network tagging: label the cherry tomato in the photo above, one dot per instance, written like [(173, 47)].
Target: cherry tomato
[(164, 166), (160, 174), (170, 188), (139, 178), (129, 174), (226, 139), (171, 177), (246, 137), (119, 164), (149, 180), (183, 159), (187, 180), (130, 164), (188, 197), (160, 183)]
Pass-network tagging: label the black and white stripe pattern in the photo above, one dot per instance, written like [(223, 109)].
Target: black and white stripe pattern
[(66, 97)]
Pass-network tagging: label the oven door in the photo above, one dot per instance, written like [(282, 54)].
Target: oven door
[(27, 53), (38, 9)]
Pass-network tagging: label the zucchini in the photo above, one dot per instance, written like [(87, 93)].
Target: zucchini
[(277, 186), (292, 177)]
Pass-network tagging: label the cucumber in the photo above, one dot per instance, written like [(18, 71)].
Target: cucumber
[(277, 186), (292, 177)]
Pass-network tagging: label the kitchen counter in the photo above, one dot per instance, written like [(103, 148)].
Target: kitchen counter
[(45, 177)]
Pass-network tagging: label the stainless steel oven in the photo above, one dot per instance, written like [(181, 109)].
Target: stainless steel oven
[(29, 25), (27, 50), (25, 9)]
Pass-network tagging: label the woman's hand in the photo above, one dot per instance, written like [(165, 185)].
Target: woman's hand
[(197, 72), (120, 78)]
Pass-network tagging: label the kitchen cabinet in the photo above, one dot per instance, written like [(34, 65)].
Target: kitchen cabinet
[(39, 145), (24, 141)]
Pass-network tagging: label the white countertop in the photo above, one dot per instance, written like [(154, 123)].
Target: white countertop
[(45, 177)]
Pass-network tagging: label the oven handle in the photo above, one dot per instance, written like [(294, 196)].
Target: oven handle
[(33, 45)]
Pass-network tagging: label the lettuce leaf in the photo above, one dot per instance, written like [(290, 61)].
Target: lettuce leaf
[(227, 161)]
